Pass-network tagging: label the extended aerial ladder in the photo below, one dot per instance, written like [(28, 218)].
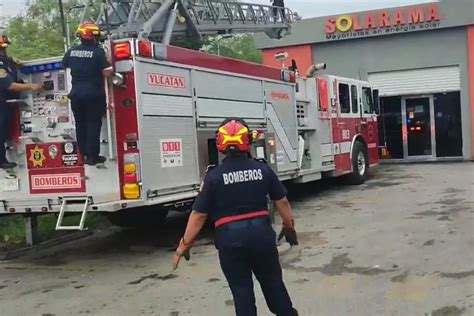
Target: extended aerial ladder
[(160, 20)]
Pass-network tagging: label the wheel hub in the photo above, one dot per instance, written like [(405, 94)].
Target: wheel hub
[(361, 165)]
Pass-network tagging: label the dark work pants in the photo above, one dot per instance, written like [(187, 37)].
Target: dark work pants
[(279, 4), (5, 123), (246, 247), (88, 113)]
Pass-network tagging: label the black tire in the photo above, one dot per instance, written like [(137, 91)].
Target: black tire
[(140, 217), (360, 164)]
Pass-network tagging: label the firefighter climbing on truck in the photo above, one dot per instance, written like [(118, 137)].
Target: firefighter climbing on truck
[(89, 66), (10, 87)]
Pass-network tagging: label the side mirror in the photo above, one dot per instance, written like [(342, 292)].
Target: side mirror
[(376, 101)]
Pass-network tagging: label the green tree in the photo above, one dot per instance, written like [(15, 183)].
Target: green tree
[(38, 33), (240, 46)]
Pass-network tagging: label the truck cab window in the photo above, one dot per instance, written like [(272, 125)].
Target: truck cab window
[(355, 99), (344, 99), (367, 100)]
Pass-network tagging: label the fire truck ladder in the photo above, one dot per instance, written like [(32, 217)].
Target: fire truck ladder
[(160, 20), (73, 204)]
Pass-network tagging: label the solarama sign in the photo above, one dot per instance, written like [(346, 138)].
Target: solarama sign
[(371, 23)]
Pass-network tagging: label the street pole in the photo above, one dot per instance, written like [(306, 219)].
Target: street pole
[(68, 31), (63, 24), (218, 41), (68, 27)]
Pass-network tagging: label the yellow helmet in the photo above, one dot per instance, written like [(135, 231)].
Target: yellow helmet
[(88, 31)]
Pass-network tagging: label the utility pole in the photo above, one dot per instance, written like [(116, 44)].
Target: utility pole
[(63, 25), (219, 38)]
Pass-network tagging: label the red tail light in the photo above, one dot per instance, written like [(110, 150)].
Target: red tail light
[(145, 49), (130, 178), (122, 50)]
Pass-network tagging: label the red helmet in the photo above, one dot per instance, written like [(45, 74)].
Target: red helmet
[(4, 41), (233, 135), (88, 31)]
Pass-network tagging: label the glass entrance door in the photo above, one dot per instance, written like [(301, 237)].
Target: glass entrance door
[(418, 128)]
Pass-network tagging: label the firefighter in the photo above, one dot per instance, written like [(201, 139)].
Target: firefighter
[(89, 67), (278, 4), (234, 195), (10, 87)]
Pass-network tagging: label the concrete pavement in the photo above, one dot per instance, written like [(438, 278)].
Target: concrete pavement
[(402, 244)]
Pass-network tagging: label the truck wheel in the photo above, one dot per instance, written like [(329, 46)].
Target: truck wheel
[(140, 217), (360, 164)]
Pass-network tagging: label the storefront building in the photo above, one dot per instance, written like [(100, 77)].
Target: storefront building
[(420, 57)]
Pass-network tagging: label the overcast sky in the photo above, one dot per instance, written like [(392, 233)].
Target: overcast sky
[(306, 8), (312, 8)]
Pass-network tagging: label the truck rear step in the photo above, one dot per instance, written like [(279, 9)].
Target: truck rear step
[(73, 204)]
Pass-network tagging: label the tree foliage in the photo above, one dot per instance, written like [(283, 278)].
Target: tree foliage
[(38, 32), (240, 46)]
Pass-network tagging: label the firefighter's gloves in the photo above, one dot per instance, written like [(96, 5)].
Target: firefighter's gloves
[(288, 231), (182, 251)]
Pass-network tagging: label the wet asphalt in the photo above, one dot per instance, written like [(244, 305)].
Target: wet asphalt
[(401, 244)]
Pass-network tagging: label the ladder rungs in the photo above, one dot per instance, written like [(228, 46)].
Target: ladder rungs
[(205, 16), (64, 207), (70, 228)]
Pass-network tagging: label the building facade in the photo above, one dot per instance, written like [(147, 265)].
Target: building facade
[(420, 57)]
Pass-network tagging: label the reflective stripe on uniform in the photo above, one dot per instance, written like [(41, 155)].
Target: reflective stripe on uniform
[(230, 219)]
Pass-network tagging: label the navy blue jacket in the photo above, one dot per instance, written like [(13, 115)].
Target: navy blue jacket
[(86, 62), (239, 185)]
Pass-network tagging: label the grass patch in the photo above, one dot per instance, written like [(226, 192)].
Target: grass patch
[(12, 227)]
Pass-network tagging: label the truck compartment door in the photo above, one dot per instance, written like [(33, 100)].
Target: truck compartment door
[(168, 144), (281, 114)]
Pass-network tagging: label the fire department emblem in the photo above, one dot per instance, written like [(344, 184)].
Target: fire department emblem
[(37, 156), (53, 151), (68, 148)]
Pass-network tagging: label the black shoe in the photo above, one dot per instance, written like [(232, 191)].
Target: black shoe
[(7, 165), (94, 161), (295, 313)]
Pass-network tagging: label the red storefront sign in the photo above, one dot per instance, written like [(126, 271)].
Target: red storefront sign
[(383, 19)]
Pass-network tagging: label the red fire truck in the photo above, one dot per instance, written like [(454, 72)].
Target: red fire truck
[(158, 135)]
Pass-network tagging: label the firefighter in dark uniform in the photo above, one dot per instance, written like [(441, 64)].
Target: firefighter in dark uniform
[(234, 195), (10, 87), (278, 4), (89, 67)]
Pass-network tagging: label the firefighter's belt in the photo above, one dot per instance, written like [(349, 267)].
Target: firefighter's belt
[(235, 218)]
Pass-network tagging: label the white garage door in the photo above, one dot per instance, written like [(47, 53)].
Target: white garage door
[(417, 81)]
